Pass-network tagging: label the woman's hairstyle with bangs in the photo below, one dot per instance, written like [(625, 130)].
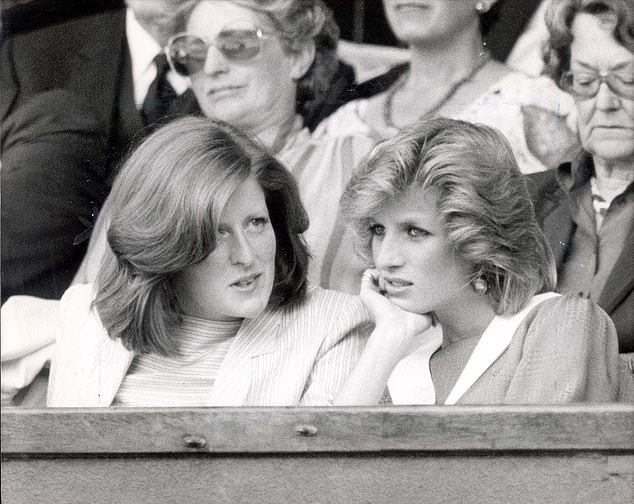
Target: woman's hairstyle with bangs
[(300, 23), (560, 16), (165, 205), (483, 203)]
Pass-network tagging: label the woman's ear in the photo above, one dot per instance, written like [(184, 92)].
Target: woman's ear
[(302, 60)]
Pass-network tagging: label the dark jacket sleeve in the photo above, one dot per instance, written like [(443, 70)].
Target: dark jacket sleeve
[(53, 165)]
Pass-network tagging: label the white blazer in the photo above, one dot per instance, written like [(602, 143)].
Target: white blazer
[(288, 356)]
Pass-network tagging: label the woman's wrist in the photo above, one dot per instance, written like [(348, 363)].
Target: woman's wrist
[(387, 344)]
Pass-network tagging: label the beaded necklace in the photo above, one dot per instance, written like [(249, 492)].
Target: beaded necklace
[(387, 105)]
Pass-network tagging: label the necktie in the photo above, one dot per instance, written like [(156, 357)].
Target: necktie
[(160, 94)]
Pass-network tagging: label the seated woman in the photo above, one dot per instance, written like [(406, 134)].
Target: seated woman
[(451, 74), (254, 65), (586, 208), (205, 300), (444, 214)]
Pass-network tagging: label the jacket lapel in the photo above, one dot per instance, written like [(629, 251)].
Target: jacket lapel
[(621, 279), (110, 367), (256, 337), (558, 227), (493, 342), (90, 369)]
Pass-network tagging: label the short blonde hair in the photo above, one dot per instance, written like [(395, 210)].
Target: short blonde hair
[(483, 203)]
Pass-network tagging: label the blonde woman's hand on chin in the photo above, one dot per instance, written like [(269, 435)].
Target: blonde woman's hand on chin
[(399, 329), (396, 333)]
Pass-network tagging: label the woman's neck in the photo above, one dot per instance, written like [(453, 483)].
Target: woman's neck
[(465, 320), (433, 65), (275, 134), (613, 176)]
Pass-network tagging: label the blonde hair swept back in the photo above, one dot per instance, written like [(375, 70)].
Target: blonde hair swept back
[(483, 203)]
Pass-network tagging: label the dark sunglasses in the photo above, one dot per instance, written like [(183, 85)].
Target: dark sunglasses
[(187, 53)]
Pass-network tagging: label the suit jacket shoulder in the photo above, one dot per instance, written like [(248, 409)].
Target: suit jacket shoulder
[(44, 59), (544, 190), (88, 366), (565, 351)]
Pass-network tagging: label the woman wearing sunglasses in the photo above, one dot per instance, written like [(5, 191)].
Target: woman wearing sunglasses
[(256, 65), (444, 216), (205, 300), (586, 207)]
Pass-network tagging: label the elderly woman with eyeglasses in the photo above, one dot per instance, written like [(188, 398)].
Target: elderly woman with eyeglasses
[(586, 207), (257, 65)]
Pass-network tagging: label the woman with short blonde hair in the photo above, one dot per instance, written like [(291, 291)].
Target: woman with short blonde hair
[(445, 215)]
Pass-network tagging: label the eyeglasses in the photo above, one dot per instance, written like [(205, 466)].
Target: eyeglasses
[(187, 53), (586, 84)]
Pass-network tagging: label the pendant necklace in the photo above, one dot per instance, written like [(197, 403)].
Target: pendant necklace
[(387, 105)]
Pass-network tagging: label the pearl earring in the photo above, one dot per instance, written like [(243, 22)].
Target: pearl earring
[(480, 286), (481, 7)]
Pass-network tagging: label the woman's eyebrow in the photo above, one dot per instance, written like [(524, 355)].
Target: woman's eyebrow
[(618, 66), (414, 222), (256, 215)]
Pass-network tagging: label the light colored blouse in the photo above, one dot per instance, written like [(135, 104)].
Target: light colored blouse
[(186, 380), (501, 106), (322, 168)]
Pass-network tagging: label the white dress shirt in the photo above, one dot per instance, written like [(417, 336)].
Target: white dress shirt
[(143, 49)]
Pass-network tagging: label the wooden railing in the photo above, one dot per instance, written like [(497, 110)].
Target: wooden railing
[(559, 454)]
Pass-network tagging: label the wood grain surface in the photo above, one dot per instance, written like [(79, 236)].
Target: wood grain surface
[(395, 455)]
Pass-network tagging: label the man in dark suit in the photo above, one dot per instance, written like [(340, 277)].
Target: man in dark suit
[(53, 173), (106, 59), (75, 96)]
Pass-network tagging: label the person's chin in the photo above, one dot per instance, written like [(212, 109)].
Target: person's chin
[(254, 309), (408, 304), (613, 148), (252, 304)]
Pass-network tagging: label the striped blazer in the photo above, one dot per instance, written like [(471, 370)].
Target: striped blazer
[(288, 356)]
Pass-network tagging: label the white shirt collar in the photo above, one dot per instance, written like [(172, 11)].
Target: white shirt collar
[(143, 48)]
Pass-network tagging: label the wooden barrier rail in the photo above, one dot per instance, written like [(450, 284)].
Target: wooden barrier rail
[(506, 454)]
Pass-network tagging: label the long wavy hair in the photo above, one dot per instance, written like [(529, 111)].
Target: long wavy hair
[(483, 205), (166, 202)]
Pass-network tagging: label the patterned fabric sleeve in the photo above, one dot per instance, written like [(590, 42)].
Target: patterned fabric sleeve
[(569, 354), (342, 347)]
